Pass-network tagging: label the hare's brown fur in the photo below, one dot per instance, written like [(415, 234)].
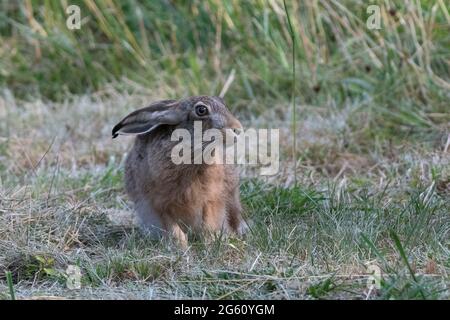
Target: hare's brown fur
[(171, 198)]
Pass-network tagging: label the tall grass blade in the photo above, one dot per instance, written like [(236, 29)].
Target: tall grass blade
[(10, 285), (400, 249), (294, 124)]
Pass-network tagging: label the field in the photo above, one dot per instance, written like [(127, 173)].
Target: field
[(364, 119)]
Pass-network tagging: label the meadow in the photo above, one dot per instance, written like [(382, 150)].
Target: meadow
[(364, 119)]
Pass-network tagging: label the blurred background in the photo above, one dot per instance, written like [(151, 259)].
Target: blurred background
[(190, 47), (394, 80), (371, 126)]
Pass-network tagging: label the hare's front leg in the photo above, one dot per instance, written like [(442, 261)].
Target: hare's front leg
[(214, 217), (234, 212), (149, 219), (174, 229)]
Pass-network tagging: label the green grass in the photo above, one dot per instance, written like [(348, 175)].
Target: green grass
[(367, 184), (302, 244)]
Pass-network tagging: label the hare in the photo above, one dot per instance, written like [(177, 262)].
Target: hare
[(172, 198)]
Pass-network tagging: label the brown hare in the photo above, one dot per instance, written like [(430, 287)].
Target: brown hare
[(172, 198)]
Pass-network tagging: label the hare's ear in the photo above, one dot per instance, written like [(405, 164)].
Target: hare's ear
[(146, 119)]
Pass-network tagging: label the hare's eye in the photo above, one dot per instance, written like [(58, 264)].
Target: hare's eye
[(201, 110)]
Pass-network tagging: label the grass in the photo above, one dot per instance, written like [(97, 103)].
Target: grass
[(368, 184), (64, 207)]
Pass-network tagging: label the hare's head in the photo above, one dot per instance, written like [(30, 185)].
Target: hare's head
[(211, 111)]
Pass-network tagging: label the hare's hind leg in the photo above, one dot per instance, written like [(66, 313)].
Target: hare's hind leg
[(149, 219), (236, 221)]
